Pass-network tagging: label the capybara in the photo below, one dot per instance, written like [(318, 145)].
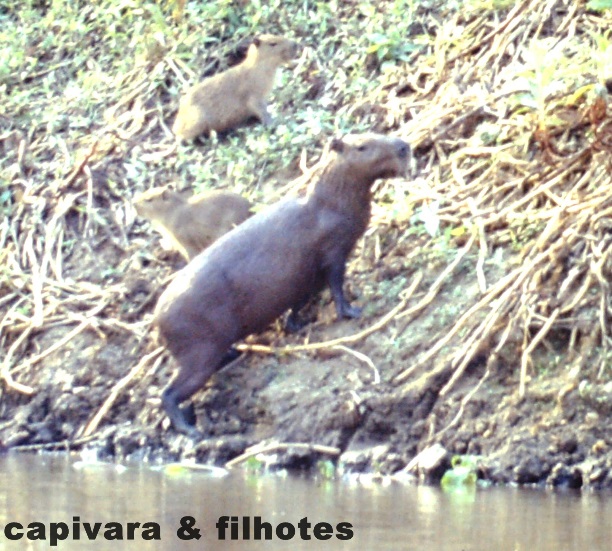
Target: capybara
[(273, 262), (195, 223), (230, 98)]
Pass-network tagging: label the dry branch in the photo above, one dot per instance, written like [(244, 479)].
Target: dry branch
[(92, 426), (349, 339), (274, 447)]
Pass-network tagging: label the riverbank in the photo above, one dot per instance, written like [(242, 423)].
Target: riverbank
[(484, 279)]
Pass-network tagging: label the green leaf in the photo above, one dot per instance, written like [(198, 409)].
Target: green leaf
[(599, 5)]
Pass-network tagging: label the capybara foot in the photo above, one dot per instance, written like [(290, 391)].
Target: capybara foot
[(182, 419), (350, 312), (293, 323)]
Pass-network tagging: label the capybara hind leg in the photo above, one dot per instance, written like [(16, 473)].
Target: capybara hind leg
[(195, 369), (189, 414), (293, 321), (231, 355), (182, 419)]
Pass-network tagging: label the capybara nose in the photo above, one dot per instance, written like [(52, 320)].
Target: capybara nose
[(402, 148)]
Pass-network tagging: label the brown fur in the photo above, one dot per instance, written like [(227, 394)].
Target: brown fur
[(195, 223), (273, 262), (230, 98)]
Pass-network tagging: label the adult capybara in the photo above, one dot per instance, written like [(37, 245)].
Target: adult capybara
[(195, 223), (228, 99), (274, 261)]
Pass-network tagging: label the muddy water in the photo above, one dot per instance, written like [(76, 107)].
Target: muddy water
[(52, 490)]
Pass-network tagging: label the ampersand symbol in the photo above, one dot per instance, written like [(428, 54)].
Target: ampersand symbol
[(186, 532)]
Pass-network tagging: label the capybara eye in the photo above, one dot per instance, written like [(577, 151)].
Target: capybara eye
[(362, 148), (273, 44)]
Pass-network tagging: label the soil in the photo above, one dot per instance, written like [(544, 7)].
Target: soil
[(95, 372)]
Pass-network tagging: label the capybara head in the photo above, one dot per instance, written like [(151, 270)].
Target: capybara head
[(270, 46), (368, 157), (156, 200)]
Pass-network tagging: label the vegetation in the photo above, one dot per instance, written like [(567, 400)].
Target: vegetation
[(506, 104)]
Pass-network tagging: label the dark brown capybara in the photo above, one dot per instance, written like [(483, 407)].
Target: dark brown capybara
[(195, 223), (230, 98), (273, 262)]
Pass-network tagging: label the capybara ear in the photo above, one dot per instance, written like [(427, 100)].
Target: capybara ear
[(168, 189), (257, 41), (336, 145)]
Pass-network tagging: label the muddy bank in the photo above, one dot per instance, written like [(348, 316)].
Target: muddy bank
[(341, 398)]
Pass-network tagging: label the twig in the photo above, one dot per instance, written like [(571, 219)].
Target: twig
[(433, 290), (78, 168), (92, 426), (465, 400), (267, 448), (6, 373), (363, 358), (406, 296), (527, 352), (87, 322)]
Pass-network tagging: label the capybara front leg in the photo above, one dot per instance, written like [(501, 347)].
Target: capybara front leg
[(259, 108), (335, 280)]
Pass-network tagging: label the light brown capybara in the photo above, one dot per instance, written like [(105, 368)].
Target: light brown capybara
[(273, 262), (195, 223), (230, 98)]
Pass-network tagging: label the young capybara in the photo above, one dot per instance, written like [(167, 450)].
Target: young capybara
[(195, 223), (228, 99), (273, 262)]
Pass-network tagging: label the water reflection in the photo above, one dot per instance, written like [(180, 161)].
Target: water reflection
[(50, 489)]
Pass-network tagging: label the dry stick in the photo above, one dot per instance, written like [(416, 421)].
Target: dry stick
[(108, 403), (5, 372), (586, 285), (37, 282), (361, 357), (407, 295), (597, 269), (527, 352), (490, 296), (258, 449), (479, 335), (8, 298), (89, 319), (604, 332), (53, 230), (464, 402), (435, 287), (483, 252), (77, 170), (66, 444)]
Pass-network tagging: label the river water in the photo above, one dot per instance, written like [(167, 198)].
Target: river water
[(55, 497)]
